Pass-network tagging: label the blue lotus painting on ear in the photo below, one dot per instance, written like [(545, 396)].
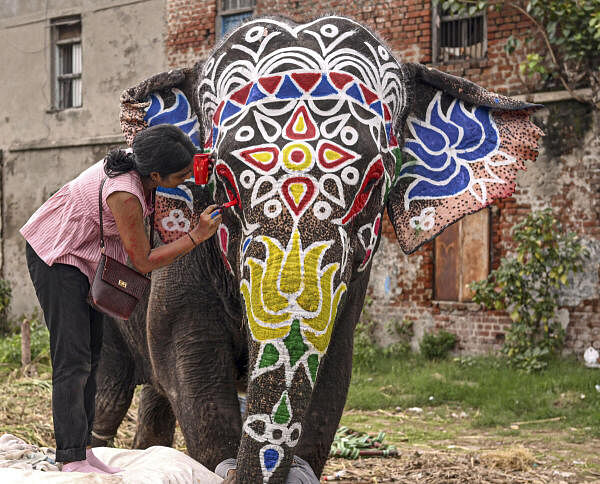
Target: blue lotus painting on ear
[(444, 145)]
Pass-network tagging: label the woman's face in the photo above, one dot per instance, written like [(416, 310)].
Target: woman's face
[(174, 179)]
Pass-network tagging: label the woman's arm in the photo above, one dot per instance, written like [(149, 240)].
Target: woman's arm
[(127, 210)]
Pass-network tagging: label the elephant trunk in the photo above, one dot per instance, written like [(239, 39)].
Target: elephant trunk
[(291, 302)]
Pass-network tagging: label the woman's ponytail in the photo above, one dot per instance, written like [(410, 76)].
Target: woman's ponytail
[(118, 162)]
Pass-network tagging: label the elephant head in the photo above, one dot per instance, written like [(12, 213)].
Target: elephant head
[(316, 128)]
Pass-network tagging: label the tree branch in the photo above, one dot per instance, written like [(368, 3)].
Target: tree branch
[(542, 31)]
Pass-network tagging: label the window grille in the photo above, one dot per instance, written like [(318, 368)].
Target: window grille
[(232, 13), (66, 40), (458, 37)]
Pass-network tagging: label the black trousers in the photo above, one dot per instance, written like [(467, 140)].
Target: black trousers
[(75, 342)]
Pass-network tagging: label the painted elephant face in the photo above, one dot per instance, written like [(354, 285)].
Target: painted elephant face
[(301, 123), (315, 128)]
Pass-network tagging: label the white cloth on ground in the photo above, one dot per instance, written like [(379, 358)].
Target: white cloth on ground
[(18, 454), (155, 465)]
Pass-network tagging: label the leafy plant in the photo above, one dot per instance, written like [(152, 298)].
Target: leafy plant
[(437, 346), (10, 346), (402, 332), (527, 287), (569, 31), (366, 350), (5, 297)]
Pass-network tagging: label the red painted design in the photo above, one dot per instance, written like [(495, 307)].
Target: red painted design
[(386, 113), (217, 115), (339, 79), (370, 96), (306, 80), (345, 156), (231, 188), (297, 156), (306, 197), (270, 83), (246, 155), (366, 259), (241, 95), (310, 131), (369, 181), (393, 139), (224, 243)]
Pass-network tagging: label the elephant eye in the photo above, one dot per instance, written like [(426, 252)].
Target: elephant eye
[(370, 184)]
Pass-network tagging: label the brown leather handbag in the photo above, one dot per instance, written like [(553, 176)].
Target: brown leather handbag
[(116, 288)]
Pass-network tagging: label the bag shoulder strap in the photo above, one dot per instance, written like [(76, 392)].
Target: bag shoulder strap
[(100, 212)]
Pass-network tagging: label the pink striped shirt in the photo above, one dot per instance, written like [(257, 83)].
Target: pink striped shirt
[(66, 228)]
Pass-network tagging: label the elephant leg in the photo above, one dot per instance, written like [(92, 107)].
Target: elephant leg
[(331, 388), (192, 354), (156, 422), (204, 397), (115, 382)]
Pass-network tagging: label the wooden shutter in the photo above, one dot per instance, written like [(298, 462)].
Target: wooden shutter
[(462, 256)]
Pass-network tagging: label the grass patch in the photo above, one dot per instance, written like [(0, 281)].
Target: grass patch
[(495, 394)]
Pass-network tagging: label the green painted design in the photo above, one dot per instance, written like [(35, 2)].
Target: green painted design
[(295, 343), (313, 366), (398, 154), (270, 356), (282, 414)]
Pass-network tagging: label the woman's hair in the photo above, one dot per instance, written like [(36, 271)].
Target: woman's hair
[(163, 148)]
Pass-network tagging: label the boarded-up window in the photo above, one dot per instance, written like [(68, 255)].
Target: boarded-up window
[(66, 40), (462, 256)]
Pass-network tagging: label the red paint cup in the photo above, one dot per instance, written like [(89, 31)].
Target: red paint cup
[(201, 168)]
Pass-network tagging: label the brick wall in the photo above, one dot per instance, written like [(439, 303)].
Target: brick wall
[(404, 24), (563, 177)]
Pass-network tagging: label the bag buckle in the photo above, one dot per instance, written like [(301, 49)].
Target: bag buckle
[(122, 283)]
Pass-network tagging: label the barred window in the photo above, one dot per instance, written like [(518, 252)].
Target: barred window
[(66, 53), (231, 13), (458, 37), (462, 256)]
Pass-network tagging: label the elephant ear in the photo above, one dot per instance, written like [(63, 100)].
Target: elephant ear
[(167, 98), (462, 148)]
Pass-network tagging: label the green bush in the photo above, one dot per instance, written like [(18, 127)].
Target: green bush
[(366, 351), (5, 297), (437, 346), (527, 287), (10, 345)]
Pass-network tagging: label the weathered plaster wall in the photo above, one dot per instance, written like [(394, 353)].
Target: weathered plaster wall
[(122, 43), (566, 178)]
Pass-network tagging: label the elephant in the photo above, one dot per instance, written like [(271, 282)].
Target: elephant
[(316, 129)]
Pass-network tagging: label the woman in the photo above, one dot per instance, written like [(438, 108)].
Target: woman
[(63, 250)]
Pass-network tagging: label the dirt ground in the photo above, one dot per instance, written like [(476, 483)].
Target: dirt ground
[(435, 445)]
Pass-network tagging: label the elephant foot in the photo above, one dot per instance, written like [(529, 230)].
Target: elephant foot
[(300, 472)]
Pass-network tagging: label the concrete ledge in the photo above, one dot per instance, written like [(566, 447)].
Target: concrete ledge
[(552, 96), (457, 305), (71, 143)]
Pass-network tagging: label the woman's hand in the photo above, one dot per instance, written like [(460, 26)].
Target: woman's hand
[(208, 224)]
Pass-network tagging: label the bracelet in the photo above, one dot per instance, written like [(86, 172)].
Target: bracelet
[(192, 239)]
